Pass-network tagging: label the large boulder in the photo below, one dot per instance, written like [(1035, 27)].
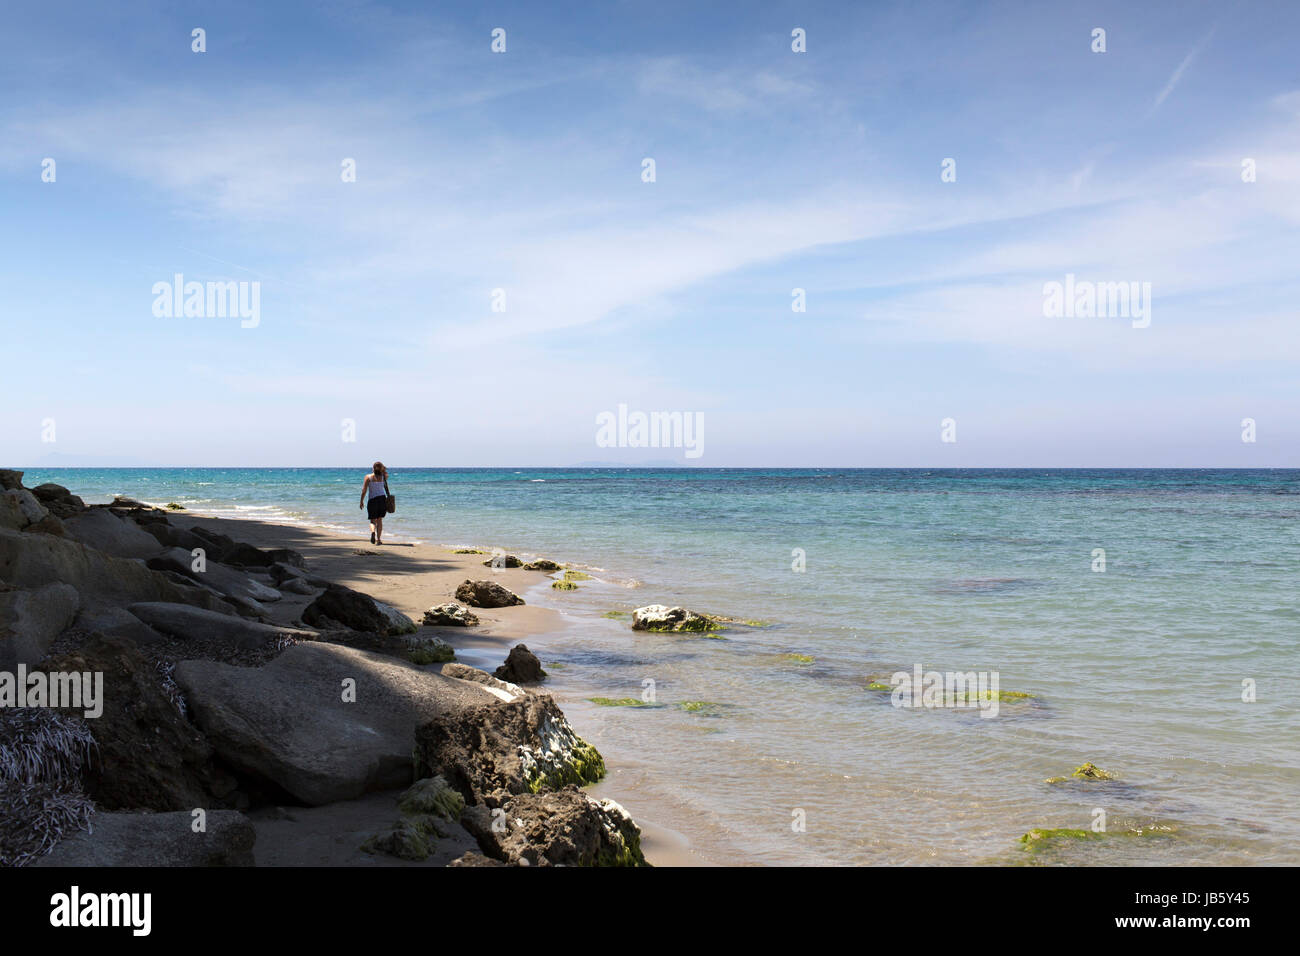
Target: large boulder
[(541, 564), (30, 620), (187, 623), (486, 594), (449, 615), (521, 667), (59, 500), (516, 746), (360, 612), (115, 622), (562, 828), (19, 509), (660, 617), (10, 479), (222, 579), (101, 529), (158, 839), (322, 721), (246, 555), (148, 756), (170, 536)]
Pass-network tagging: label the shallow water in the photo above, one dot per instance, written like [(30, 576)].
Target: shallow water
[(1138, 669)]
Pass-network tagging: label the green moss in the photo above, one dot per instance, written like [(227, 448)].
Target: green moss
[(1039, 835), (576, 576), (705, 707), (432, 796), (173, 506), (1091, 772), (620, 702), (411, 838), (469, 551), (586, 766), (617, 615), (747, 622), (879, 685), (439, 653), (564, 586), (797, 658)]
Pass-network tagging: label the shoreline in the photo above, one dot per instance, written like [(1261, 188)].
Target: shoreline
[(386, 574)]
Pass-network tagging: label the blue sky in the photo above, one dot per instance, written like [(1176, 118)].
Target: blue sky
[(774, 170)]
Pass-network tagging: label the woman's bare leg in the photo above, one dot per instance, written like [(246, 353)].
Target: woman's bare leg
[(379, 530)]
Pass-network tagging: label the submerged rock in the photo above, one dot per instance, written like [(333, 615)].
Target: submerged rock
[(449, 615), (561, 828), (357, 611), (660, 617), (521, 667), (487, 594), (1088, 771)]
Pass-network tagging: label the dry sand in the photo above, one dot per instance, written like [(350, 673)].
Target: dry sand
[(410, 577)]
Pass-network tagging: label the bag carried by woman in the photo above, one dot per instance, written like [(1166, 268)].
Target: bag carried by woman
[(388, 496)]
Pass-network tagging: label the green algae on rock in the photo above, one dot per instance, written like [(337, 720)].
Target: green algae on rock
[(797, 658), (617, 615), (576, 576), (664, 619), (1088, 771), (432, 795), (620, 702), (469, 551), (564, 585), (173, 506), (1047, 836)]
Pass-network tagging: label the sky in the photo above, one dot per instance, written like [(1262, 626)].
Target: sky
[(523, 171)]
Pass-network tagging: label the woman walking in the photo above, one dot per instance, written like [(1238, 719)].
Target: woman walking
[(376, 504)]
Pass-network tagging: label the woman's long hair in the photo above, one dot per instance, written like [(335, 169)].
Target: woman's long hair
[(380, 470)]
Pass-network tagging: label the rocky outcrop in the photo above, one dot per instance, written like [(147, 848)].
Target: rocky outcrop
[(220, 578), (660, 617), (30, 620), (148, 756), (248, 556), (520, 746), (115, 622), (183, 622), (159, 839), (486, 594), (58, 500), (323, 722), (503, 561), (19, 509), (561, 828), (340, 605), (100, 528), (449, 615), (521, 667)]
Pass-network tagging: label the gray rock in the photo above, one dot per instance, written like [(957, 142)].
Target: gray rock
[(173, 537), (60, 502), (20, 509), (31, 560), (118, 622), (449, 615), (297, 586), (158, 839), (185, 623), (10, 479), (101, 529), (562, 828), (30, 620), (222, 579), (541, 564), (486, 594), (503, 561), (288, 721)]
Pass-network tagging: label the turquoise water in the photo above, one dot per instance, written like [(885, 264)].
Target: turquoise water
[(1138, 668)]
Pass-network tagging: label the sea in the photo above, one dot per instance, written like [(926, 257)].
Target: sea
[(1149, 618)]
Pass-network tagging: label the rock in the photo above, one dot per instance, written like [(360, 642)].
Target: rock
[(561, 828), (486, 594), (288, 721), (249, 556), (173, 537), (430, 650), (521, 667), (158, 839), (520, 746), (218, 577), (19, 509), (185, 623), (297, 586), (499, 688), (449, 615), (101, 529), (35, 559), (432, 796), (502, 561), (59, 500), (357, 611), (30, 620), (10, 480), (116, 622), (218, 545), (411, 838), (659, 617), (542, 564), (281, 572), (148, 756)]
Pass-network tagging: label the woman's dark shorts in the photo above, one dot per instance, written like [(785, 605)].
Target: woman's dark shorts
[(377, 507)]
